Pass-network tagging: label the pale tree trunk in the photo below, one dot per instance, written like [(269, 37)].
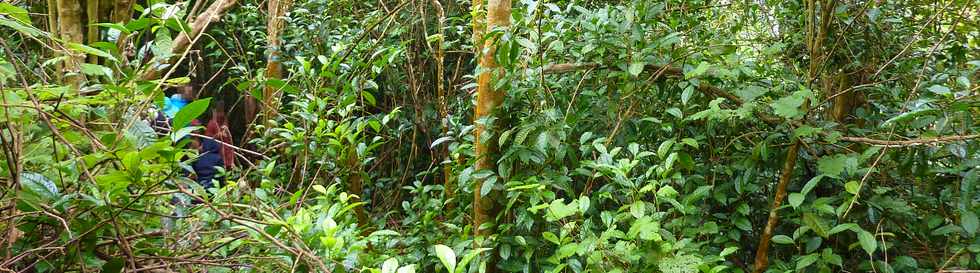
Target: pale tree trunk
[(487, 101), (92, 12), (70, 28), (53, 29), (273, 68), (122, 11)]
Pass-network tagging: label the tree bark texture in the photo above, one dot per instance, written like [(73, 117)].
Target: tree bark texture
[(92, 16), (70, 30), (487, 101), (815, 37), (273, 68)]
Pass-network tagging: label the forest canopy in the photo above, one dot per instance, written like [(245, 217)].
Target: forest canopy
[(603, 136)]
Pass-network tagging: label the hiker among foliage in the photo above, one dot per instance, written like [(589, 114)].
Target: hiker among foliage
[(218, 129), (206, 164)]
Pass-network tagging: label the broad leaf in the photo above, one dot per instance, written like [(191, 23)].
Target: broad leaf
[(447, 257), (190, 112)]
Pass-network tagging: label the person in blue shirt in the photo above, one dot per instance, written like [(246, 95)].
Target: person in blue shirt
[(209, 159), (177, 101)]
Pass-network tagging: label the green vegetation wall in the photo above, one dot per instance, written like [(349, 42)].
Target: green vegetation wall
[(618, 136)]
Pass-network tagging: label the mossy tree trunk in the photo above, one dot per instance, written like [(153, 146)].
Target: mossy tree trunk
[(488, 99), (70, 30)]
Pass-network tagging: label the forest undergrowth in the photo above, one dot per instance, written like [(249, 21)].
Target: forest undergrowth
[(402, 136)]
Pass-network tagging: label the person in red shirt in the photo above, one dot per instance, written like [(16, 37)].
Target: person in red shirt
[(218, 129)]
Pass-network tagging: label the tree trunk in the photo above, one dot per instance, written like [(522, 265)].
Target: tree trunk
[(487, 101), (815, 37), (53, 29), (355, 182), (122, 11), (440, 56), (273, 68), (92, 13), (70, 28)]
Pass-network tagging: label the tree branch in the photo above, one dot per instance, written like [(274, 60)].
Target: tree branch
[(183, 41), (910, 142)]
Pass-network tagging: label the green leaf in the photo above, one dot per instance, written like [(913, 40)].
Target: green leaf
[(843, 227), (811, 184), (817, 224), (550, 237), (558, 209), (468, 257), (751, 92), (140, 24), (636, 68), (939, 89), (637, 209), (15, 12), (967, 187), (795, 199), (407, 269), (447, 257), (806, 261), (96, 70), (832, 166), (970, 222), (389, 266), (20, 27), (487, 185), (910, 115), (788, 106), (667, 192), (698, 71), (91, 50), (782, 239), (120, 27), (664, 148), (645, 228), (567, 250), (947, 229), (728, 251), (190, 112), (114, 265), (441, 140), (852, 187), (37, 189), (867, 241), (583, 204)]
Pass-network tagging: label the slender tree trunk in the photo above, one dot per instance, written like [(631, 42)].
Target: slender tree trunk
[(273, 68), (355, 182), (92, 13), (815, 37), (487, 101), (53, 29), (440, 55), (122, 11), (70, 28)]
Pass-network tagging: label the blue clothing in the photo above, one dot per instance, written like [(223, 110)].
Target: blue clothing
[(206, 166), (173, 104)]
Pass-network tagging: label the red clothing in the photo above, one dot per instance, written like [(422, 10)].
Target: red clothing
[(217, 129)]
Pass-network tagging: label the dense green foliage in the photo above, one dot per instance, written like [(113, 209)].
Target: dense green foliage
[(635, 136)]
